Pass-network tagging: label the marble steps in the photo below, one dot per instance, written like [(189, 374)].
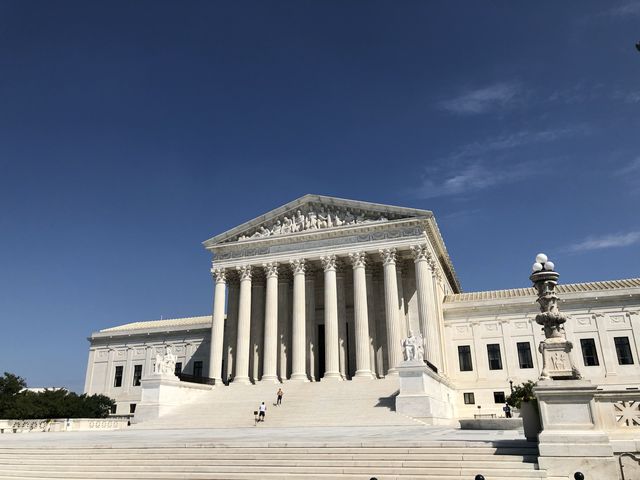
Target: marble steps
[(353, 403), (455, 462)]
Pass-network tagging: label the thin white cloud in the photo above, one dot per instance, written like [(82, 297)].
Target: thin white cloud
[(631, 168), (472, 178), (481, 165), (613, 240), (482, 100), (629, 8)]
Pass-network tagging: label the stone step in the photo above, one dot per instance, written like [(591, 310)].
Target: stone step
[(9, 475), (115, 471)]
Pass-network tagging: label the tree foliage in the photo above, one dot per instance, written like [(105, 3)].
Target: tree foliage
[(522, 393), (18, 403)]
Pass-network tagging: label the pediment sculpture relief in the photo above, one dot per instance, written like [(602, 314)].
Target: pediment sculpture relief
[(312, 219)]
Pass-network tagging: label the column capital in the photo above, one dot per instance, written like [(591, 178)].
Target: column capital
[(421, 253), (358, 259), (388, 256), (329, 262), (271, 269), (244, 271), (298, 266), (220, 274)]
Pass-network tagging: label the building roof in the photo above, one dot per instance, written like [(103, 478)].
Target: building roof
[(168, 322), (526, 292)]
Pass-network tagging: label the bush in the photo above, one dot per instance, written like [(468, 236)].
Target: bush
[(18, 403), (522, 393)]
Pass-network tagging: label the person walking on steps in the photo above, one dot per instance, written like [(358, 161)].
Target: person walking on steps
[(262, 411), (279, 394)]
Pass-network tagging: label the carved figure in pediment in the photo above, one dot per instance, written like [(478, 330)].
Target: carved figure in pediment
[(264, 232), (298, 222), (312, 220), (277, 228), (337, 221), (322, 219), (286, 225), (242, 237), (349, 218), (256, 234)]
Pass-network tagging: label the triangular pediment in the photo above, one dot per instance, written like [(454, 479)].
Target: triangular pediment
[(314, 213)]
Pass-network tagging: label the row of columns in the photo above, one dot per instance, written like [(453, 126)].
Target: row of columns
[(361, 290)]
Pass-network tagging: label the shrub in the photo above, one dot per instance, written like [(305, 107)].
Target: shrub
[(522, 393)]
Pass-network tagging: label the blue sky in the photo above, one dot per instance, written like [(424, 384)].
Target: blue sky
[(132, 131)]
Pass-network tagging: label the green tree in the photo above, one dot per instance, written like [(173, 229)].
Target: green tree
[(18, 403)]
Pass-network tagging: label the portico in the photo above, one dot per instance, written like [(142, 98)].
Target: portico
[(326, 289)]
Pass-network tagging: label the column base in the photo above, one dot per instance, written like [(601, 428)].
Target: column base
[(298, 377), (392, 372), (332, 376), (362, 375), (269, 379), (242, 381)]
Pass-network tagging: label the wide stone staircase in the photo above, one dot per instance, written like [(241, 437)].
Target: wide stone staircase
[(354, 403), (441, 461)]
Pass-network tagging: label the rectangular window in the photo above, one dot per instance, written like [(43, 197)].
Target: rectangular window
[(524, 355), (132, 408), (498, 397), (114, 409), (469, 399), (137, 375), (464, 357), (178, 369), (589, 352), (495, 360), (197, 368), (623, 349), (117, 379)]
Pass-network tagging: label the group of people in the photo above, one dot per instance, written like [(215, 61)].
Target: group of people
[(262, 409)]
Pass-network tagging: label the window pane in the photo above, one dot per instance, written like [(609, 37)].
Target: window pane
[(132, 408), (623, 349), (589, 352), (469, 399), (178, 369), (197, 368), (524, 355), (464, 357), (498, 397), (137, 375), (495, 360), (117, 380)]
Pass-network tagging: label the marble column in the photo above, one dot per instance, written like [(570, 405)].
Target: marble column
[(403, 321), (394, 339), (425, 299), (361, 317), (283, 324), (298, 341), (270, 362), (231, 328), (332, 364), (217, 326), (311, 330), (371, 313), (244, 326), (342, 321), (257, 325), (438, 293)]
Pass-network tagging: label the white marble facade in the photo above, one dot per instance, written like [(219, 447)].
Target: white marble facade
[(325, 289)]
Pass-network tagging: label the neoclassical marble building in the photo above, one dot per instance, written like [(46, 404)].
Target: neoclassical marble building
[(326, 289)]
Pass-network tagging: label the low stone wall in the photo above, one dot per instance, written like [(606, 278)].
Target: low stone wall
[(490, 423), (64, 424)]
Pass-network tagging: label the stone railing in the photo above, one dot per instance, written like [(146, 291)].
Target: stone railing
[(64, 424), (618, 415)]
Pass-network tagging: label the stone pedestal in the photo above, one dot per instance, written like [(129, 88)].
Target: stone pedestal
[(570, 441), (161, 393), (424, 394)]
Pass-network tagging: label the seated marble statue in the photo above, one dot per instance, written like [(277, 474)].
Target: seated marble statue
[(412, 347), (165, 364)]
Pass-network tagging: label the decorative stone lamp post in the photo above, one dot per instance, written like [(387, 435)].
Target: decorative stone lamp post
[(555, 349), (571, 439)]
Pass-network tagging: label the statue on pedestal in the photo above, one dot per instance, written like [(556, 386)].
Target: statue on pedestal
[(412, 348), (165, 364)]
